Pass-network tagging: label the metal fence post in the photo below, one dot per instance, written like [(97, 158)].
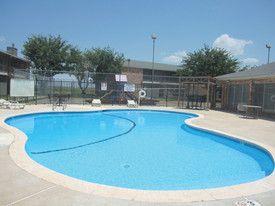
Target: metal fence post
[(179, 93), (36, 90), (7, 90), (166, 97), (61, 87)]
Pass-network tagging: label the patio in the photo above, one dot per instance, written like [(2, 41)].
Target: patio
[(18, 187)]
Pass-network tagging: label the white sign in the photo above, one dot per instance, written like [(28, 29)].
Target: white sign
[(129, 87), (103, 86), (21, 88), (121, 78)]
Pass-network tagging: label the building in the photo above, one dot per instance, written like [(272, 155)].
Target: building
[(11, 66), (254, 86), (140, 73)]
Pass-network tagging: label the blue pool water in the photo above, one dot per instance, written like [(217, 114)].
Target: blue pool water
[(139, 149)]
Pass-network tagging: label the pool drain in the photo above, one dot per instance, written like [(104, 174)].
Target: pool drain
[(126, 166)]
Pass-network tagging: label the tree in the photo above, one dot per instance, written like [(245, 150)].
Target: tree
[(81, 67), (208, 62), (48, 55), (246, 67), (86, 65), (106, 60)]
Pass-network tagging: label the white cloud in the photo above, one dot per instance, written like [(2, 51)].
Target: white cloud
[(2, 38), (172, 59), (175, 58), (250, 60), (232, 45)]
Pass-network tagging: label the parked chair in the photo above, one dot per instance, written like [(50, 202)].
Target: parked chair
[(96, 102), (11, 104), (242, 109), (131, 103), (4, 103)]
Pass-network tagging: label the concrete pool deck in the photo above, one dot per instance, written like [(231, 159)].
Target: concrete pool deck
[(19, 187)]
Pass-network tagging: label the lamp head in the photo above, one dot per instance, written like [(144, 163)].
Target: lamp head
[(268, 46), (154, 36)]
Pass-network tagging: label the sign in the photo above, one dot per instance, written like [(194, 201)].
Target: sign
[(121, 78), (21, 88), (103, 86), (129, 87)]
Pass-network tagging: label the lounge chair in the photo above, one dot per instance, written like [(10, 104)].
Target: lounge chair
[(11, 104), (4, 103), (241, 108), (131, 103), (96, 102)]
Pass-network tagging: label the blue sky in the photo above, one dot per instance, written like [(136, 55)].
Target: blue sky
[(243, 27)]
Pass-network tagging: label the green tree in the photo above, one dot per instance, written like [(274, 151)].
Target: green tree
[(208, 62), (48, 54), (81, 67), (106, 60), (246, 67), (88, 65)]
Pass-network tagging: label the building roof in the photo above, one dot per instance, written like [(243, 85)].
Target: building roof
[(6, 53), (260, 72), (148, 65)]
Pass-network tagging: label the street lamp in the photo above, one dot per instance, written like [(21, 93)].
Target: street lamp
[(268, 47), (154, 38)]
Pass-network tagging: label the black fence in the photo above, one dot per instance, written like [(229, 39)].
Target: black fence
[(114, 89), (112, 93)]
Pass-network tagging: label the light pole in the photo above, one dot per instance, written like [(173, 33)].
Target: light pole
[(268, 47), (154, 38), (128, 65)]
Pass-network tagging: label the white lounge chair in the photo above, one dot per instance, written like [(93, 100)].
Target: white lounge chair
[(11, 104), (4, 103), (131, 103), (96, 102)]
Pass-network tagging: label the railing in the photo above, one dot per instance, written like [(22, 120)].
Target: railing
[(14, 72)]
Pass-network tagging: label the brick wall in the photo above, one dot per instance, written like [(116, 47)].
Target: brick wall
[(134, 76)]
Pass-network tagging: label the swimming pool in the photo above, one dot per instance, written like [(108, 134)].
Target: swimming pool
[(149, 150)]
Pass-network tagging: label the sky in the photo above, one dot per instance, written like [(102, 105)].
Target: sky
[(242, 27)]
